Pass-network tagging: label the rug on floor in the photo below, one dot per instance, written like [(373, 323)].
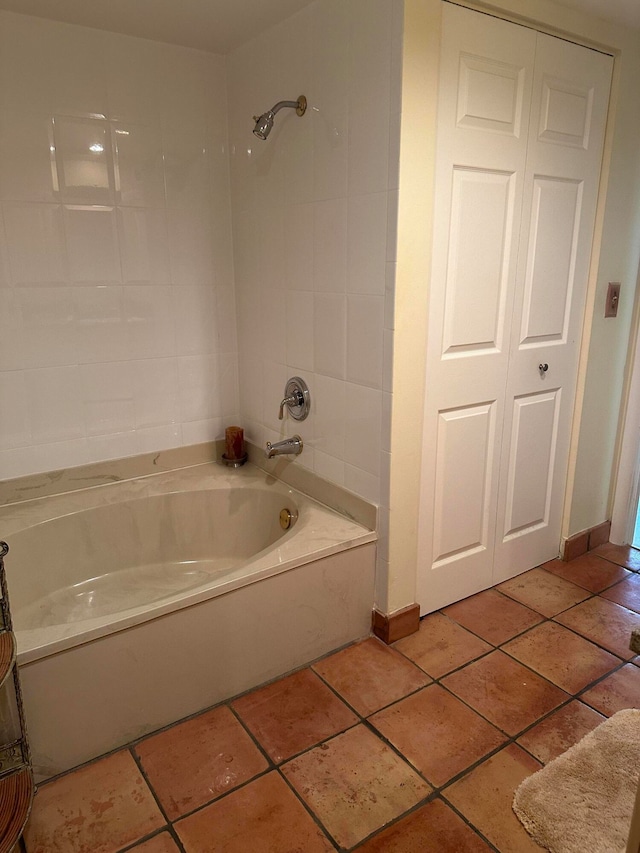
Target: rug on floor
[(583, 800)]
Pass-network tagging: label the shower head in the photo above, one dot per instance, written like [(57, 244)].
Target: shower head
[(264, 123)]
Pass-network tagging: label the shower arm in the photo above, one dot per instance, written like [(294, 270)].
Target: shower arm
[(299, 106)]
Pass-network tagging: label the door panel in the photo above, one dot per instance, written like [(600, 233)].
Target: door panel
[(466, 442), (569, 107), (532, 452), (483, 125), (479, 250), (550, 271)]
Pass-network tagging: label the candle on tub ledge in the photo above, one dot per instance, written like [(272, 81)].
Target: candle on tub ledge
[(234, 444)]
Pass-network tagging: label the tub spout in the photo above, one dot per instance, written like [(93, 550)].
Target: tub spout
[(289, 445)]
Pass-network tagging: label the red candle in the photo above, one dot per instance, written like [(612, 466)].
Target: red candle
[(234, 442)]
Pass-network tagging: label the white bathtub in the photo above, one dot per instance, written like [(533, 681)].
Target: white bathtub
[(138, 603)]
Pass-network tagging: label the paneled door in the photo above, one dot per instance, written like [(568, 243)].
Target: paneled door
[(520, 132)]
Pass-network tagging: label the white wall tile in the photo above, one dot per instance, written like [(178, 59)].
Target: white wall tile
[(139, 164), (298, 246), (329, 413), (365, 318), (330, 51), (387, 360), (143, 240), (35, 243), (330, 152), (362, 436), (115, 445), (187, 168), (198, 379), (11, 339), (195, 432), (150, 320), (368, 164), (274, 314), (367, 224), (190, 247), (53, 67), (101, 329), (107, 396), (27, 164), (150, 439), (57, 456), (47, 322), (224, 322), (92, 244), (155, 392), (84, 160), (371, 29), (330, 334), (329, 467), (132, 68), (54, 404), (14, 413), (330, 245), (300, 324), (362, 483), (195, 319)]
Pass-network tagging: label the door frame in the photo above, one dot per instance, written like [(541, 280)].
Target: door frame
[(421, 42), (626, 487)]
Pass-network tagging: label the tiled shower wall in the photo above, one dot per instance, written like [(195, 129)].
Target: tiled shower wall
[(117, 314), (314, 221)]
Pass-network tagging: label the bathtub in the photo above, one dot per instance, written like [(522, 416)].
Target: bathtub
[(138, 603)]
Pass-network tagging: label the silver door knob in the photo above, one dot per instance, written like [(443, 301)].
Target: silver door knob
[(543, 369)]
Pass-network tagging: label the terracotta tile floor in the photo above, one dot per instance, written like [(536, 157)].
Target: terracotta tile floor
[(418, 747)]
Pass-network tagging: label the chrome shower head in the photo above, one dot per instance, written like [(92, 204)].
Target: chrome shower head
[(264, 123)]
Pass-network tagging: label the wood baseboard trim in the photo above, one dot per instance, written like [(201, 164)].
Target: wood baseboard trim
[(586, 540), (395, 626)]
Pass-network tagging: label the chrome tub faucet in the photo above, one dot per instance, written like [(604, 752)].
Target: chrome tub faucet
[(280, 448)]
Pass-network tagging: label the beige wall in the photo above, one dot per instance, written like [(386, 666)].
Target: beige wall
[(605, 341)]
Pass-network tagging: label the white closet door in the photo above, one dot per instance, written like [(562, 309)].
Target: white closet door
[(484, 104), (520, 127), (568, 116)]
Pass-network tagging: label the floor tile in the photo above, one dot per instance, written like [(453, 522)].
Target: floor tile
[(441, 645), (370, 675), (484, 797), (355, 784), (616, 692), (493, 616), (560, 730), (561, 656), (607, 624), (589, 571), (505, 692), (626, 593), (100, 808), (293, 714), (543, 591), (623, 555), (434, 828), (437, 733), (196, 761), (162, 843), (263, 817)]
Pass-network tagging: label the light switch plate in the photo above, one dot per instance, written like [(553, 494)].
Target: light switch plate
[(613, 298)]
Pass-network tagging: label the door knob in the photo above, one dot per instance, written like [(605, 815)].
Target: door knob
[(543, 369)]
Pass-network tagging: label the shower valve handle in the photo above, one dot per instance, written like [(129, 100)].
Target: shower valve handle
[(293, 400)]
